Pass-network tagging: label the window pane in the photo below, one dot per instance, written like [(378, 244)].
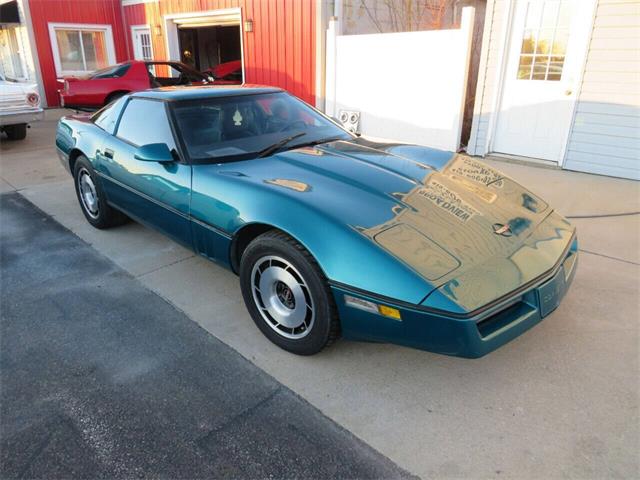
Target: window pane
[(145, 43), (524, 69), (560, 42), (533, 15), (238, 127), (565, 14), (550, 14), (144, 122), (69, 50), (116, 71), (95, 51), (555, 68), (528, 42), (10, 63), (545, 38), (108, 116), (540, 68)]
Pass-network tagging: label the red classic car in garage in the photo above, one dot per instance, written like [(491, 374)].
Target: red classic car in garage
[(107, 84), (228, 73)]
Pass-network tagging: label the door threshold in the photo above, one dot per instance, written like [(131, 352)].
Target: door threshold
[(529, 161)]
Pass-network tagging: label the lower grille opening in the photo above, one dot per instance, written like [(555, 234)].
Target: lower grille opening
[(493, 324)]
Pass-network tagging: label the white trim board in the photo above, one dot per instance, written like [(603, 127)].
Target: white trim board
[(134, 29), (226, 16), (53, 26), (500, 73), (127, 3)]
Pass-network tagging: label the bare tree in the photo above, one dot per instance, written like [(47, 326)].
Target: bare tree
[(406, 15)]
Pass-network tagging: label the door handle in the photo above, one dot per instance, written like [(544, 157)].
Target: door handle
[(108, 153), (568, 92)]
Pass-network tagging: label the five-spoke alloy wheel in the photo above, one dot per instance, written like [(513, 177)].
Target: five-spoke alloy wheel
[(287, 295)]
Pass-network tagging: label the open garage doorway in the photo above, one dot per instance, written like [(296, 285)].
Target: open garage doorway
[(210, 42), (204, 48)]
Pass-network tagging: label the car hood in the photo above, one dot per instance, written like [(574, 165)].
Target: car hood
[(440, 213)]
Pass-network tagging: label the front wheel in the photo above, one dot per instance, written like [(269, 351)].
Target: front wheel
[(287, 295), (16, 132), (91, 197)]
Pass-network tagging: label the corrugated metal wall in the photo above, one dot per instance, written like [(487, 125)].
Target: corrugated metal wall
[(43, 12), (280, 51)]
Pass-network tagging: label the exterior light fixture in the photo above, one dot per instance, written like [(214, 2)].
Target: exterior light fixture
[(157, 30), (248, 25)]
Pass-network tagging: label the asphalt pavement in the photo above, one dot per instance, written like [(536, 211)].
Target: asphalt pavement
[(102, 378)]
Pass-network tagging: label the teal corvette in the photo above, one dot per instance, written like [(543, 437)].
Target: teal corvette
[(330, 234)]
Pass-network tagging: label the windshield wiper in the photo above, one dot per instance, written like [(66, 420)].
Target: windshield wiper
[(313, 143), (272, 148)]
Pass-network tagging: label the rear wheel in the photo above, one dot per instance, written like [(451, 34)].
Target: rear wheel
[(91, 197), (287, 295), (16, 132), (114, 96)]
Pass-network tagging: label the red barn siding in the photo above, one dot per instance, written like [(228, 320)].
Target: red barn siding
[(280, 51), (136, 15), (43, 12)]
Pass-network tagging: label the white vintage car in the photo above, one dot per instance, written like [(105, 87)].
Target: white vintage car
[(19, 106)]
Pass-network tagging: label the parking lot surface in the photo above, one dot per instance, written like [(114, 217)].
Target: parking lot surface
[(102, 378), (561, 401)]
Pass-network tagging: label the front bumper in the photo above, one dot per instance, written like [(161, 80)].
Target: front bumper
[(463, 337), (21, 116)]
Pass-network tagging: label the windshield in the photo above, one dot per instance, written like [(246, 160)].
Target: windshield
[(225, 129)]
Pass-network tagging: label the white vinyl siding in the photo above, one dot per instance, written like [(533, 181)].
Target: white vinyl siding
[(605, 135), (492, 48)]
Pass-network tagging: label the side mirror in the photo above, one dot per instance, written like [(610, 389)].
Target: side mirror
[(154, 152)]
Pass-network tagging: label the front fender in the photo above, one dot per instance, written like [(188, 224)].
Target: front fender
[(346, 256), (77, 133)]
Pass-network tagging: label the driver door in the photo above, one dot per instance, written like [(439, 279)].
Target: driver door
[(158, 194)]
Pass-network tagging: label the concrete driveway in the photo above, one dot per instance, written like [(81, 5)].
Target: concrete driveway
[(561, 401)]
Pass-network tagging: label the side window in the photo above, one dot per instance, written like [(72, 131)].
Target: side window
[(144, 122), (107, 118)]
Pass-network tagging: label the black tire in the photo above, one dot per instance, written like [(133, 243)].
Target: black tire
[(16, 132), (104, 216), (324, 325)]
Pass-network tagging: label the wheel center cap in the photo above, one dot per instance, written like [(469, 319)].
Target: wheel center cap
[(285, 295)]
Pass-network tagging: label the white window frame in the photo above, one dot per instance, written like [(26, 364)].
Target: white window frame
[(127, 3), (106, 29), (220, 17), (137, 28)]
